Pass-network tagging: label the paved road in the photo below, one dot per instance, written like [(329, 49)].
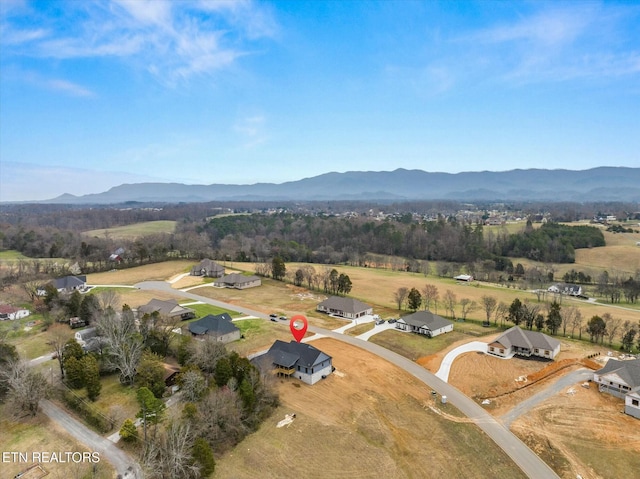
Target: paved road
[(124, 465), (530, 463), (571, 379)]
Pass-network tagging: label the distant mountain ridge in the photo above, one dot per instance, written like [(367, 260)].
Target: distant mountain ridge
[(596, 184)]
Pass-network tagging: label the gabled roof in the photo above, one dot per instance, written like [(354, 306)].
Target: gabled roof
[(217, 325), (88, 333), (237, 278), (209, 265), (523, 338), (348, 305), (629, 371), (426, 319), (295, 354), (169, 307), (69, 282), (8, 309)]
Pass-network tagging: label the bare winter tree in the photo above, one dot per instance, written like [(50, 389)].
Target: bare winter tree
[(205, 354), (502, 313), (466, 307), (567, 315), (489, 303), (430, 296), (400, 296), (613, 326), (450, 301), (26, 386), (577, 323), (122, 342), (169, 454), (58, 335), (108, 299)]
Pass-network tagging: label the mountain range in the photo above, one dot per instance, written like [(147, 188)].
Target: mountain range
[(596, 184)]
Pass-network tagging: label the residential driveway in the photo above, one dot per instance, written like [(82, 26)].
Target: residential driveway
[(571, 379), (125, 466), (378, 328), (445, 367)]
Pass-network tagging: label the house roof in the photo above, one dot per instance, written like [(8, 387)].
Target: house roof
[(236, 278), (69, 282), (169, 307), (629, 371), (426, 319), (566, 288), (217, 325), (8, 309), (523, 338), (87, 333), (295, 354), (209, 265), (348, 305)]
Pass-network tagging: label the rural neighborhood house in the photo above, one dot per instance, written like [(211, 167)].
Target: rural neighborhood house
[(8, 312), (67, 284), (167, 309), (344, 307), (425, 322), (218, 327), (565, 288), (621, 379), (522, 342), (237, 281), (208, 268), (299, 360)]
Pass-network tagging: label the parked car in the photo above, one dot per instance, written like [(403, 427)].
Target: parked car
[(273, 317), (283, 318), (380, 321), (392, 320)]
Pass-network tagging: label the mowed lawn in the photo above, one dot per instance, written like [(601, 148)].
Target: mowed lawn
[(134, 231)]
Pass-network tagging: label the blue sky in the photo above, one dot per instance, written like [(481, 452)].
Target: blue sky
[(96, 94)]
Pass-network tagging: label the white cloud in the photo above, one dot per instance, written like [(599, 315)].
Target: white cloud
[(172, 40), (70, 88), (252, 130)]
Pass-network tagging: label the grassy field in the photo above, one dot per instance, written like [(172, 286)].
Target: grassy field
[(134, 231), (39, 434), (148, 272), (11, 256), (259, 335), (368, 419), (206, 309)]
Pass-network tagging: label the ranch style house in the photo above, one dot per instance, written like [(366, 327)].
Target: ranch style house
[(425, 322), (344, 307), (237, 281), (218, 327), (621, 379), (67, 284), (166, 309), (522, 342), (299, 360)]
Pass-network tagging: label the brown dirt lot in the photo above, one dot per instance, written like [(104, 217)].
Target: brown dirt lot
[(581, 433), (148, 272), (369, 419)]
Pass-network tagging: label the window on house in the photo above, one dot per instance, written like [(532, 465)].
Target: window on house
[(635, 402), (502, 351)]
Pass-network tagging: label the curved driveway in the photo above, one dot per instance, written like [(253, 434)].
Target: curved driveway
[(530, 463), (445, 367)]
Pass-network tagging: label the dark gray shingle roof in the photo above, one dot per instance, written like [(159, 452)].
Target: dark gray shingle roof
[(295, 354), (217, 325), (427, 319), (348, 305)]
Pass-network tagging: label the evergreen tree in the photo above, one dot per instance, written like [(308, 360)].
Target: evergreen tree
[(223, 372), (414, 299), (74, 370), (203, 455), (129, 431), (278, 268), (91, 376), (554, 318)]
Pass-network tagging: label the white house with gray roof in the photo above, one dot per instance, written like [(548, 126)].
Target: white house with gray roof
[(237, 281), (425, 322), (523, 342), (344, 307), (299, 360), (621, 379), (208, 268), (167, 309)]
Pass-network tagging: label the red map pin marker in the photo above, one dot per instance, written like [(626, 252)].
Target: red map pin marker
[(298, 326)]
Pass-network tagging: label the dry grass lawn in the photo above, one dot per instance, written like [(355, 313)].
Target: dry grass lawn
[(39, 434), (147, 272), (369, 419), (137, 230)]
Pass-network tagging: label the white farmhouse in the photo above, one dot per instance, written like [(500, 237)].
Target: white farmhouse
[(621, 379)]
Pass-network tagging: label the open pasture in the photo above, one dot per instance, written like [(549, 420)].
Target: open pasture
[(134, 231)]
